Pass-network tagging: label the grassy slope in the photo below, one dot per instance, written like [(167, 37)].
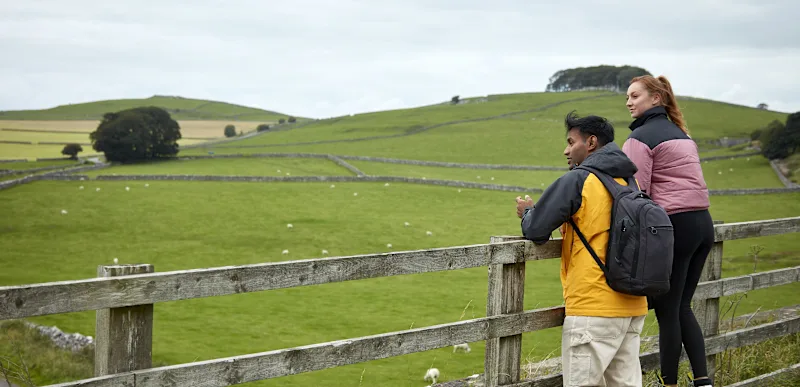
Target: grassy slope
[(241, 223), (179, 108), (531, 138)]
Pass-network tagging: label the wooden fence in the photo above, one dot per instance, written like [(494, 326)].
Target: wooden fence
[(124, 295)]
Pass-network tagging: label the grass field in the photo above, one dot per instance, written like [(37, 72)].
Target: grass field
[(180, 108), (242, 223), (232, 167), (529, 138), (192, 129)]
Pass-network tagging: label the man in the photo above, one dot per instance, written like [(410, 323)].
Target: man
[(600, 337)]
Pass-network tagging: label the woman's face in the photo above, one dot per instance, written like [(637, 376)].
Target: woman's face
[(640, 100)]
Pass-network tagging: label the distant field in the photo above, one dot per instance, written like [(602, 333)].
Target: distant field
[(36, 164), (232, 167), (531, 138), (180, 109), (189, 128)]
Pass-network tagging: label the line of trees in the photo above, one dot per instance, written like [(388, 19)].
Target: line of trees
[(615, 78)]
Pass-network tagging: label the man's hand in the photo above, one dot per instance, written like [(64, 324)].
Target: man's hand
[(523, 204)]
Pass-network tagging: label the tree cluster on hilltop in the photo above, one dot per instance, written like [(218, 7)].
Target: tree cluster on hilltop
[(614, 78)]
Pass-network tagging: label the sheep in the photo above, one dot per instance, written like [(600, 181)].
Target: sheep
[(463, 347), (333, 186), (432, 375), (288, 174), (355, 193), (731, 169), (146, 185), (479, 177), (324, 252), (279, 171), (97, 190), (127, 188), (289, 225), (284, 252), (459, 190), (428, 233), (492, 178), (386, 185), (389, 245), (63, 212), (406, 224), (116, 261), (81, 187)]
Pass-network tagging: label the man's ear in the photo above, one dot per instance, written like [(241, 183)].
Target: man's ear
[(592, 143)]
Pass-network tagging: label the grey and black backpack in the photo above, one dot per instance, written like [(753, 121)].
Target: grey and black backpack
[(640, 244)]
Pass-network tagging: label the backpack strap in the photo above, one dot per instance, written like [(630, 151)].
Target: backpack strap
[(588, 246), (610, 183)]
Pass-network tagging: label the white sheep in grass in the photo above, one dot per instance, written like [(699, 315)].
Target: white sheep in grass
[(386, 185), (284, 252), (63, 212), (116, 261), (492, 178), (389, 245), (97, 190), (146, 185), (289, 225), (406, 224), (333, 186), (324, 252), (81, 187), (462, 347), (355, 193), (428, 233), (459, 190), (432, 375), (127, 188)]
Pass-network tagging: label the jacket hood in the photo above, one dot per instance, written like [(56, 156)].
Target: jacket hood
[(648, 115), (611, 160)]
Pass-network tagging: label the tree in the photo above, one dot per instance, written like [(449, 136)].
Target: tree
[(454, 100), (230, 131), (137, 134), (281, 121), (292, 120), (262, 128), (604, 77), (793, 131), (72, 150), (773, 141), (762, 106)]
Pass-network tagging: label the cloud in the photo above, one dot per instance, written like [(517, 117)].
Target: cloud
[(321, 58)]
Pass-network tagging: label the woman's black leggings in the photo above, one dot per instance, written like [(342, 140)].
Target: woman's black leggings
[(694, 236)]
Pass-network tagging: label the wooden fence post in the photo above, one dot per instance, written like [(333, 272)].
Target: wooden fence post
[(506, 291), (124, 336), (707, 311)]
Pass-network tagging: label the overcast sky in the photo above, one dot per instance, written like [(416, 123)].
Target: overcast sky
[(318, 58)]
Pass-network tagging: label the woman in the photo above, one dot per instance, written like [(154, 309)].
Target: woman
[(669, 171)]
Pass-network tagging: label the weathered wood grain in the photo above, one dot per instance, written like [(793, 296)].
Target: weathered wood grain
[(99, 293), (770, 378), (505, 295), (119, 380), (272, 364), (746, 283), (733, 231), (124, 336)]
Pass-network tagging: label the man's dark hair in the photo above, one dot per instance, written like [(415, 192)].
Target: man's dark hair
[(590, 126)]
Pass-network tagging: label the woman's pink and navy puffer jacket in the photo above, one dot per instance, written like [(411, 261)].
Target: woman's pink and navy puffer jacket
[(668, 163)]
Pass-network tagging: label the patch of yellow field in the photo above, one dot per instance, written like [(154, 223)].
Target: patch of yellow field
[(189, 129)]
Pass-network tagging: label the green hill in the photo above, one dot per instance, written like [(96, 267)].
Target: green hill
[(500, 129), (180, 108)]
